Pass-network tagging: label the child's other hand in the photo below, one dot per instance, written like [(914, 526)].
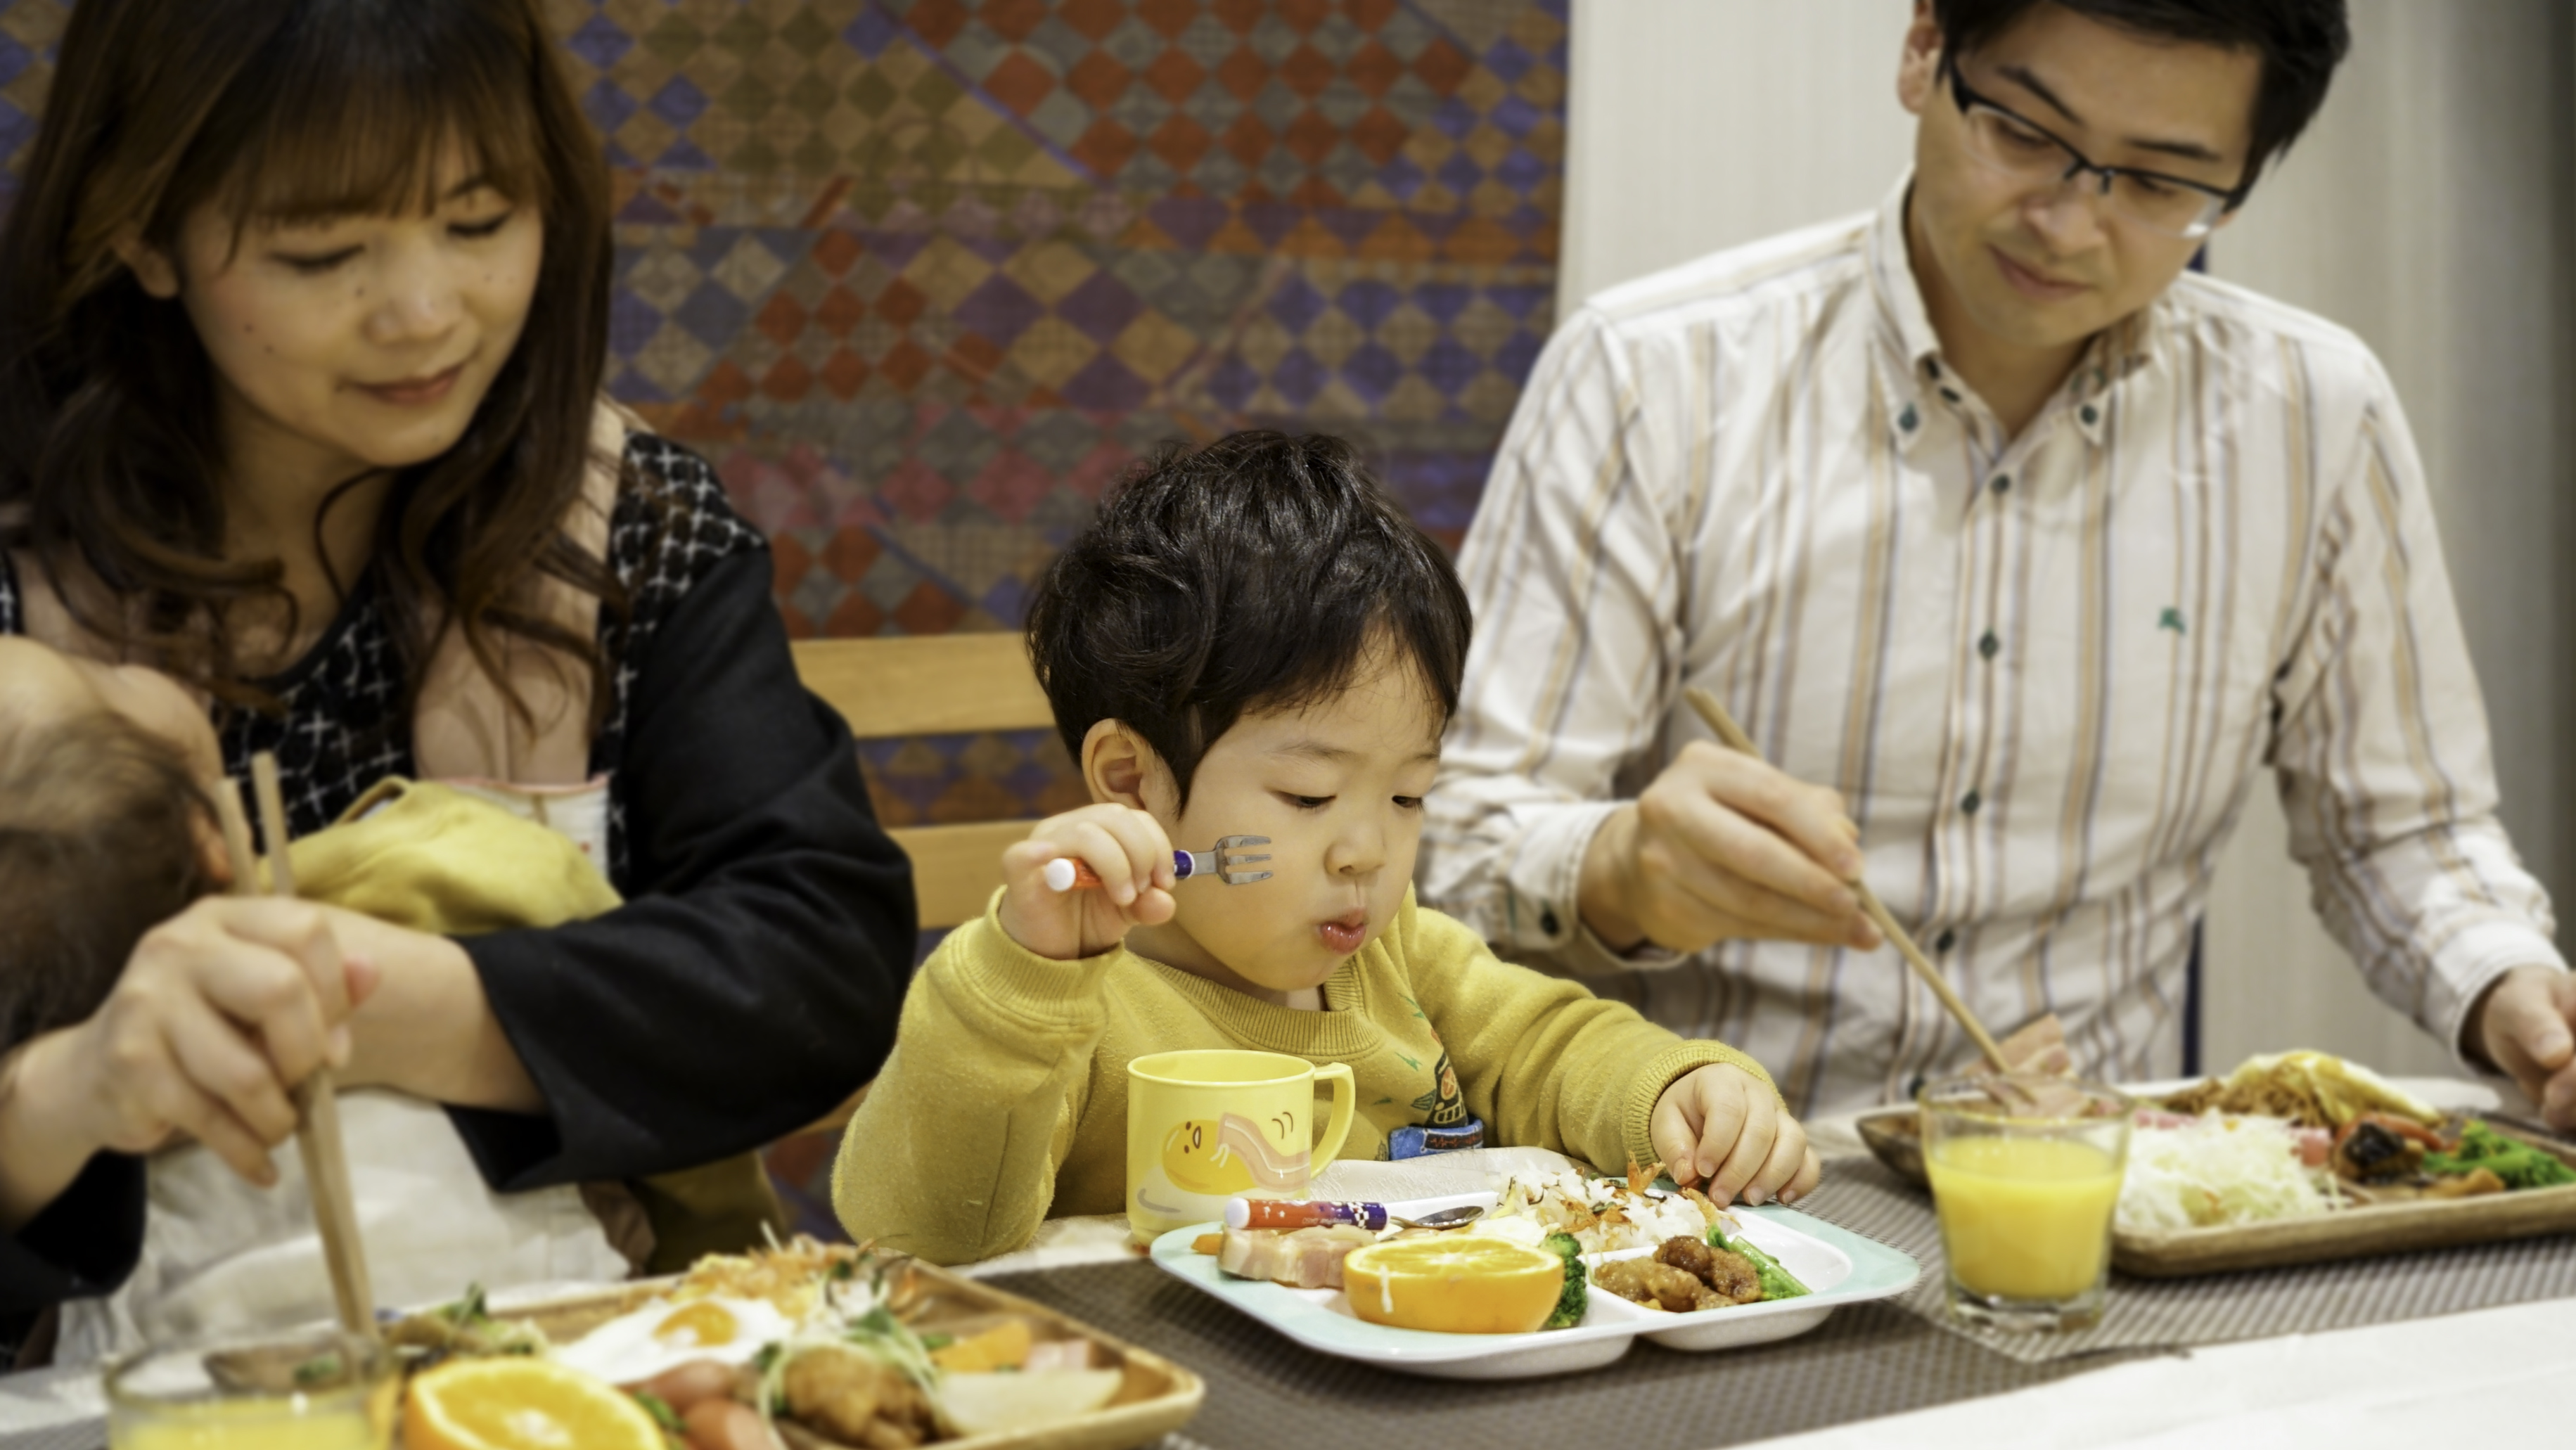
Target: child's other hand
[(1125, 847), (1724, 1125)]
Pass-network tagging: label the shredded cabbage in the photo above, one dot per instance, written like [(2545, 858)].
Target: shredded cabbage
[(2218, 1170)]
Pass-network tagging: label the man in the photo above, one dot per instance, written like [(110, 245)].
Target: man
[(2016, 550)]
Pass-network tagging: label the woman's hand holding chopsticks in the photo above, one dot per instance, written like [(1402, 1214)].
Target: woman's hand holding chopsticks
[(219, 1013)]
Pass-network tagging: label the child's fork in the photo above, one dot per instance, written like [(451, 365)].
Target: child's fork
[(1227, 863)]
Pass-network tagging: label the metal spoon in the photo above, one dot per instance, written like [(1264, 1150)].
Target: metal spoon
[(1447, 1218)]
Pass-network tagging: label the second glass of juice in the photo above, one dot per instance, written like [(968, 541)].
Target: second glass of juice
[(2025, 1174)]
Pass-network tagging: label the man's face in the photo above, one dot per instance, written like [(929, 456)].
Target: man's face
[(2048, 266)]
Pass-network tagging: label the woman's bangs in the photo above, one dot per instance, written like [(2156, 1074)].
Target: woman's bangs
[(380, 122)]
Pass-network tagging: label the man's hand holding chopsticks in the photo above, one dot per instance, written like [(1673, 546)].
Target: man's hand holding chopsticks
[(1723, 846)]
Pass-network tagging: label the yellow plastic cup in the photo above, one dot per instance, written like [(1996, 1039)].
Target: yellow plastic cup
[(1206, 1125), (2025, 1174)]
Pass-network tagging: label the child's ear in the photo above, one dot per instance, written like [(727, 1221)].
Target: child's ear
[(212, 859), (1122, 768)]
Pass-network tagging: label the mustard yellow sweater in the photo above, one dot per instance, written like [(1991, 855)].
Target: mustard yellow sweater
[(1006, 1097)]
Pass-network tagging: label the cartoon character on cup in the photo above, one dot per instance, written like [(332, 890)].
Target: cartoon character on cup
[(1234, 1155)]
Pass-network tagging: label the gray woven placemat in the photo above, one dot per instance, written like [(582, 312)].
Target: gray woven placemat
[(1265, 1391), (1860, 1194)]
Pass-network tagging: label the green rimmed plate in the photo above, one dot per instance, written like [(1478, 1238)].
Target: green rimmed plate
[(1840, 1266)]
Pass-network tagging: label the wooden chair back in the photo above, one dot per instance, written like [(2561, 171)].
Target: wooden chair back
[(935, 685)]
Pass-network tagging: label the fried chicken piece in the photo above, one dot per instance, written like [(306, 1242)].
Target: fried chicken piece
[(1730, 1277), (1662, 1286), (2472, 1184), (838, 1389), (1685, 1253)]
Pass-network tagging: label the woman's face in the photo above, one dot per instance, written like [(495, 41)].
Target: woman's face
[(354, 343)]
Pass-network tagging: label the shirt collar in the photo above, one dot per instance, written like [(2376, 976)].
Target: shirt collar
[(1909, 351), (1906, 338)]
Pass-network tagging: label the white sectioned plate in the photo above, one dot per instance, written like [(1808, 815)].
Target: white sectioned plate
[(1840, 1266)]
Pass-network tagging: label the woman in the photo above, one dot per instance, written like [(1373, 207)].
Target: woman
[(303, 313)]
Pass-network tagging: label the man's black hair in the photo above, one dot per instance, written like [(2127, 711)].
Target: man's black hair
[(2301, 42), (1255, 573)]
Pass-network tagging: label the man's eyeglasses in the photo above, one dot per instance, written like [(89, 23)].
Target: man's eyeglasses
[(2028, 153)]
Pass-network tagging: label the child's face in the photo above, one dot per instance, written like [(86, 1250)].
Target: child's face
[(1338, 789)]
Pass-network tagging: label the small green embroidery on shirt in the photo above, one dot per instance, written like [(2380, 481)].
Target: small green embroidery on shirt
[(1416, 1006), (2171, 619), (1412, 1062), (1382, 1102)]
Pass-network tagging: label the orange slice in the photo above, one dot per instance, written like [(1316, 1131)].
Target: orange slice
[(1004, 1346), (522, 1404), (1456, 1284)]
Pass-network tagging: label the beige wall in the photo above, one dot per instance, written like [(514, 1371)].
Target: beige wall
[(2432, 208)]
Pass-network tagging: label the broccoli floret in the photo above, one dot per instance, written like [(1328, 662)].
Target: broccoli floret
[(2519, 1164), (1574, 1297)]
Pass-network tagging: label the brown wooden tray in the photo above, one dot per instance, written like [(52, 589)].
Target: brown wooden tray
[(1156, 1398), (2359, 1232)]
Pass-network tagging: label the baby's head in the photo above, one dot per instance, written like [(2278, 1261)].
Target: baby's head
[(105, 828), (1252, 639)]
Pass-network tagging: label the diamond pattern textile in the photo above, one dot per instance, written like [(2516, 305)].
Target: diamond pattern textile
[(922, 276)]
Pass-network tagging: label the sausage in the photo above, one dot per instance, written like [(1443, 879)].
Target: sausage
[(685, 1385), (726, 1425)]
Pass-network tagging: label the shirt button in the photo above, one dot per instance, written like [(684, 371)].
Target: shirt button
[(1547, 921), (2003, 483), (2090, 414), (1968, 803), (1989, 645), (1950, 393), (1947, 940), (1907, 419)]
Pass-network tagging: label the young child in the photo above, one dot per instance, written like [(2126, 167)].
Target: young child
[(1253, 640), (107, 827)]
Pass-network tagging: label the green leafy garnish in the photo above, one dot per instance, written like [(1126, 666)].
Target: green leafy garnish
[(2519, 1164), (1575, 1296), (661, 1411), (1777, 1282), (318, 1369)]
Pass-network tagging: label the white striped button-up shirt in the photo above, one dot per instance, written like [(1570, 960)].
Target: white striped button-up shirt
[(2042, 669)]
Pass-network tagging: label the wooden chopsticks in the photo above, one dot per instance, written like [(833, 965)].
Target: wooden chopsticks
[(317, 1104), (1733, 737)]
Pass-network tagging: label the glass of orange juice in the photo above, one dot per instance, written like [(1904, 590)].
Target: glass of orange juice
[(2025, 1171), (294, 1390)]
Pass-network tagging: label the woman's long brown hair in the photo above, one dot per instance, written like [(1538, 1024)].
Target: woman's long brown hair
[(287, 110)]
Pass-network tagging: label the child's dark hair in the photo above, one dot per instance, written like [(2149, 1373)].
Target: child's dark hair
[(1254, 573), (98, 845)]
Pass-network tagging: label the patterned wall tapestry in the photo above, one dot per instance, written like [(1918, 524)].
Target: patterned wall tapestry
[(922, 276)]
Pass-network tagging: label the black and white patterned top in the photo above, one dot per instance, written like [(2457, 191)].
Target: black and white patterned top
[(336, 736)]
